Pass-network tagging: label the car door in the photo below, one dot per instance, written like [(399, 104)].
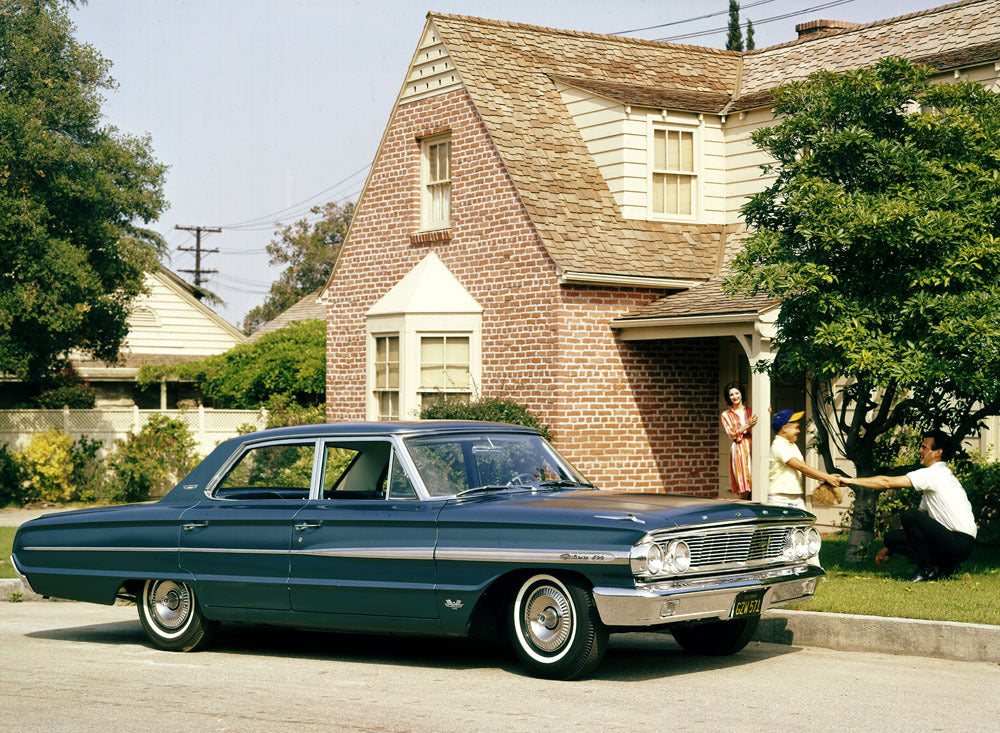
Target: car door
[(236, 543), (364, 548)]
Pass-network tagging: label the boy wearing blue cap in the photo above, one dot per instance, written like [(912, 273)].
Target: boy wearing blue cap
[(787, 466)]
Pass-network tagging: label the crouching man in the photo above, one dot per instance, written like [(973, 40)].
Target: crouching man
[(940, 534)]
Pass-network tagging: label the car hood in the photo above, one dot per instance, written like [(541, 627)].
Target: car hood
[(641, 510)]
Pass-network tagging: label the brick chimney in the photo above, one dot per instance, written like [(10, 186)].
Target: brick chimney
[(820, 27)]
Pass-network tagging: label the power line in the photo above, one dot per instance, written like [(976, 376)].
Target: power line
[(757, 22), (688, 20)]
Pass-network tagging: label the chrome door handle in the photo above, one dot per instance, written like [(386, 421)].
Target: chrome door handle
[(303, 526), (189, 526)]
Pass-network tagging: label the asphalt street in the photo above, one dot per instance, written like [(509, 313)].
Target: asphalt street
[(79, 667)]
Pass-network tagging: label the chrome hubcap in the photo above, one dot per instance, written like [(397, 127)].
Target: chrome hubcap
[(170, 604), (548, 620)]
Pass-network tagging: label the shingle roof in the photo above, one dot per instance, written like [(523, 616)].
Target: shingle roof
[(946, 37), (508, 71), (310, 306), (704, 299)]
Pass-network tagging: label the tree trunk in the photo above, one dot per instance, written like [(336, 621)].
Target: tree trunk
[(862, 525)]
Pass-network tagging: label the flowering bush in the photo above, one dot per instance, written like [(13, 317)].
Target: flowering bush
[(47, 462), (150, 462)]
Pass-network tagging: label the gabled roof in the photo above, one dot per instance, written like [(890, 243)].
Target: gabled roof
[(310, 306), (508, 70)]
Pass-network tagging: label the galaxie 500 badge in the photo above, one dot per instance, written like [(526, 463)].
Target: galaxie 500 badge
[(586, 557)]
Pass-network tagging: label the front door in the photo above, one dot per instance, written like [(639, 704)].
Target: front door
[(365, 547)]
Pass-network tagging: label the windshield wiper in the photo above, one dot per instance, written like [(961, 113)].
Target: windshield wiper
[(560, 483), (491, 487)]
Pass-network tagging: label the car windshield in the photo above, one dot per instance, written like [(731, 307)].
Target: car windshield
[(453, 464)]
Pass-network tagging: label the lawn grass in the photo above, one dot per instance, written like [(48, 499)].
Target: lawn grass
[(6, 543), (867, 589)]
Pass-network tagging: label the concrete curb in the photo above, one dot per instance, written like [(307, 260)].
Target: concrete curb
[(916, 637), (10, 586)]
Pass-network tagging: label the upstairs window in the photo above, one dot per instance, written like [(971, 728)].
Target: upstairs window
[(444, 368), (436, 182), (673, 173), (387, 377)]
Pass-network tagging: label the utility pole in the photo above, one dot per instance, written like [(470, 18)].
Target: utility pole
[(198, 271)]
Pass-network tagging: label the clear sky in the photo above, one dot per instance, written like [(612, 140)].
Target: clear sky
[(263, 108)]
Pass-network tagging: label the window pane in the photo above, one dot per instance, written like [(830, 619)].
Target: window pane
[(381, 380), (659, 149), (399, 484), (671, 191), (273, 468), (432, 377), (444, 161), (392, 346), (658, 193), (441, 465), (673, 150), (432, 349), (337, 461), (432, 164), (687, 151), (684, 195), (392, 378), (457, 350), (457, 377)]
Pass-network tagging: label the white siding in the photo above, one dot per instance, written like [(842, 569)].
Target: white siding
[(618, 139), (743, 160), (179, 325), (432, 71)]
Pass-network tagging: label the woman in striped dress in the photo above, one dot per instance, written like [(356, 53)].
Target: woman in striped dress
[(737, 421)]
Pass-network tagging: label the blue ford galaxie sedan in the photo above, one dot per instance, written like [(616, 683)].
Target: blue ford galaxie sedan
[(447, 528)]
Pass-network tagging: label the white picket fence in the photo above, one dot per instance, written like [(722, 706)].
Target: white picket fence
[(208, 426)]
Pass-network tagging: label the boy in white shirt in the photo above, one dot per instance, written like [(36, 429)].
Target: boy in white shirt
[(940, 534)]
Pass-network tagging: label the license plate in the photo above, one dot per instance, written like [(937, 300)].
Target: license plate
[(748, 603)]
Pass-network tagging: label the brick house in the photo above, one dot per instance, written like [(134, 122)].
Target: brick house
[(549, 216)]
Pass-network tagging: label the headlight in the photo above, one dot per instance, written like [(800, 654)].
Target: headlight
[(797, 545), (813, 541), (654, 559), (678, 557)]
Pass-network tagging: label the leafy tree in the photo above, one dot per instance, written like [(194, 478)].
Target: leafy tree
[(487, 409), (309, 251), (290, 361), (751, 44), (71, 191), (881, 236), (735, 40)]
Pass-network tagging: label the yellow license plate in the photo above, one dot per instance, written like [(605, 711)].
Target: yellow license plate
[(748, 603)]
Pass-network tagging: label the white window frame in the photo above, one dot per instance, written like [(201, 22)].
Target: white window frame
[(428, 220), (695, 174), (377, 390), (411, 327), (468, 391)]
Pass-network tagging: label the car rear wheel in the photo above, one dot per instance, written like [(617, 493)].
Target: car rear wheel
[(171, 617), (717, 639), (555, 629)]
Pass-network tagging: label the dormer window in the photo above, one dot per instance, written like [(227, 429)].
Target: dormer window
[(435, 204), (673, 179)]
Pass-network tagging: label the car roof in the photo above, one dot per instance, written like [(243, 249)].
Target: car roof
[(415, 427)]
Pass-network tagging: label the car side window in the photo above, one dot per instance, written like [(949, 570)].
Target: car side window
[(441, 463), (399, 483), (282, 471), (355, 469)]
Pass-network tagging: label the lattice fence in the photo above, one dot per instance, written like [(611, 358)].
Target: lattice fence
[(208, 426)]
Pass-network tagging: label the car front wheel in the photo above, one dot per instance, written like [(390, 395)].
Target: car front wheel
[(555, 629), (171, 617), (717, 639)]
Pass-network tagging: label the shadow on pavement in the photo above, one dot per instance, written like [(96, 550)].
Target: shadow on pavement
[(630, 657)]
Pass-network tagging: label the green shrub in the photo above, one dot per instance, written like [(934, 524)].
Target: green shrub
[(11, 478), (492, 409), (78, 395), (151, 461), (47, 461), (89, 468)]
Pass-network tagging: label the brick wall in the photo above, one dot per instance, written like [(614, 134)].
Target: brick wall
[(630, 415)]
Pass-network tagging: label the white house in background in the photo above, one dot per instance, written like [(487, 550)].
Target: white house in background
[(168, 325)]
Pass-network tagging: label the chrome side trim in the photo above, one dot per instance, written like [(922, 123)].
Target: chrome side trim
[(572, 557), (101, 549), (372, 553)]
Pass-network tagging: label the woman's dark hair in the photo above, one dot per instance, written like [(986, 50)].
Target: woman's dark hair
[(734, 385), (942, 442)]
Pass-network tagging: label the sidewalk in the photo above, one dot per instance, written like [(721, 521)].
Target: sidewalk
[(843, 632)]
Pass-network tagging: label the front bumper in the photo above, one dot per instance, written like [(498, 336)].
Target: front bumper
[(703, 598)]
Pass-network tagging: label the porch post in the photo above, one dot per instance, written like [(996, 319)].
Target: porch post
[(758, 350)]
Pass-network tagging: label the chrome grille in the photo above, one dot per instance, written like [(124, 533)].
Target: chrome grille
[(732, 546)]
